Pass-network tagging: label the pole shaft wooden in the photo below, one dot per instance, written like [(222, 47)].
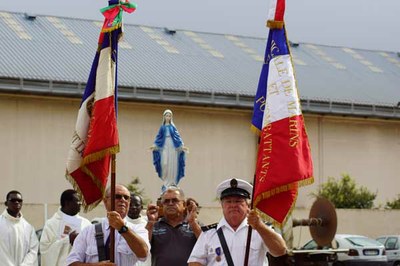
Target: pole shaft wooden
[(112, 230)]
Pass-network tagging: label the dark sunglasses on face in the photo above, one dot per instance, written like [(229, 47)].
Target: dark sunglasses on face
[(173, 201), (119, 196), (16, 200)]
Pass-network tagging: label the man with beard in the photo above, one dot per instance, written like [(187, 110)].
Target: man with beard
[(131, 241), (226, 244), (171, 237), (60, 231), (18, 242)]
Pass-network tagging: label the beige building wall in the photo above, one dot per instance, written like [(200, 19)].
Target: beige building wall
[(36, 132), (366, 149)]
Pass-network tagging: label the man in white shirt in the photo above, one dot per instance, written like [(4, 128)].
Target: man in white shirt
[(18, 241), (131, 241), (60, 231), (233, 227)]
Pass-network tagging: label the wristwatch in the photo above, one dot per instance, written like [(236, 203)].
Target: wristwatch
[(123, 229)]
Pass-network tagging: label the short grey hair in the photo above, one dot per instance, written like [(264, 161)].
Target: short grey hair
[(174, 189)]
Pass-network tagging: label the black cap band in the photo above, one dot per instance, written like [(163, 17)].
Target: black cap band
[(235, 191)]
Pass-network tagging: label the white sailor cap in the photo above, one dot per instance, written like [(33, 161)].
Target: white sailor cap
[(234, 187)]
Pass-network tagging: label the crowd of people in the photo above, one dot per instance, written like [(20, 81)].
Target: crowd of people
[(169, 235)]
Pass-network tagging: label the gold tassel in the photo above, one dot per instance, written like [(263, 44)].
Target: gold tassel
[(275, 223), (255, 130), (272, 24), (277, 190), (113, 28), (99, 155), (86, 207)]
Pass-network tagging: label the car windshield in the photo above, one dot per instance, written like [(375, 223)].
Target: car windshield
[(362, 241), (381, 240)]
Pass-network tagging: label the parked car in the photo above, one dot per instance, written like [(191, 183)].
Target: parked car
[(392, 246), (361, 250)]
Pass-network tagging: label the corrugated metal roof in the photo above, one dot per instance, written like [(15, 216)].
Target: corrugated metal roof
[(62, 49)]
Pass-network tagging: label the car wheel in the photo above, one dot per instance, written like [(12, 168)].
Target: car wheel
[(396, 263)]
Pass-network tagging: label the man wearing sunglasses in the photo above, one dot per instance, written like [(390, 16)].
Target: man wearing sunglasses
[(131, 241), (171, 237), (60, 231), (18, 242)]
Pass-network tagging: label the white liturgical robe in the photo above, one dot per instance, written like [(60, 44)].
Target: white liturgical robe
[(54, 242), (18, 241)]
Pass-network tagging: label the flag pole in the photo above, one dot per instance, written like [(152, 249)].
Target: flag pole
[(92, 152), (250, 230), (114, 21), (277, 18), (112, 230), (278, 118), (113, 156)]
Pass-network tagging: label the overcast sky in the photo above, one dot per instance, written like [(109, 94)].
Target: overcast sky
[(366, 24)]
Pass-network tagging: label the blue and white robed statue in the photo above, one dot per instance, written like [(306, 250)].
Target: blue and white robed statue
[(169, 152)]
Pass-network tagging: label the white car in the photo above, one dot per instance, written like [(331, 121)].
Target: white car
[(392, 246), (362, 250)]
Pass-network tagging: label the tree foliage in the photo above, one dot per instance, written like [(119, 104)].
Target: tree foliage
[(345, 194), (134, 188), (394, 204)]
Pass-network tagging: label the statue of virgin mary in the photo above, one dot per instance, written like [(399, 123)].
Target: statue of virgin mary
[(169, 152)]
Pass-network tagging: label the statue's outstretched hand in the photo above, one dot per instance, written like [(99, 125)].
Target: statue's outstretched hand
[(183, 148), (153, 147)]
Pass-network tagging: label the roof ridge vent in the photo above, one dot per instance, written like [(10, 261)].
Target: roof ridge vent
[(30, 16), (170, 31), (293, 44)]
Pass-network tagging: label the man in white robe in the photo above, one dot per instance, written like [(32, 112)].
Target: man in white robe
[(18, 241), (135, 210), (60, 231), (135, 217)]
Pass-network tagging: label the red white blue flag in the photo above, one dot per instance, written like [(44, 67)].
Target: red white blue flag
[(284, 158), (96, 134)]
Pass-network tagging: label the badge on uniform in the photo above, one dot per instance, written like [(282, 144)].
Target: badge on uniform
[(218, 252)]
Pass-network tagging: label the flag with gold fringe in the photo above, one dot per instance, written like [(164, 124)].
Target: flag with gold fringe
[(284, 158), (96, 134)]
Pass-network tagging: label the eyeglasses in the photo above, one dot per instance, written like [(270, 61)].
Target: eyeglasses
[(125, 197), (168, 201), (16, 200)]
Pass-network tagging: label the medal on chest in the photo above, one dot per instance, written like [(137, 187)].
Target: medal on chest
[(218, 252)]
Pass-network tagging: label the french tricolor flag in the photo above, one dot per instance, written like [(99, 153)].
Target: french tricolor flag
[(284, 158), (96, 134)]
